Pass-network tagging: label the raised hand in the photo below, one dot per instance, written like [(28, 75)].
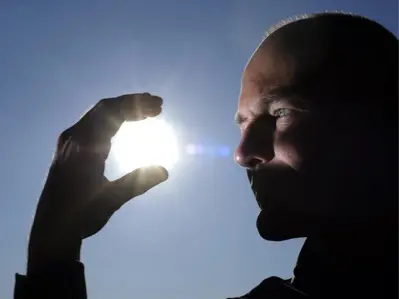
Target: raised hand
[(78, 200)]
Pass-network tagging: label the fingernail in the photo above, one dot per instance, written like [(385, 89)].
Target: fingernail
[(159, 171), (163, 172), (153, 111), (153, 100)]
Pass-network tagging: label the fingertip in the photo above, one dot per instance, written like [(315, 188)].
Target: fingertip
[(165, 172), (153, 111), (159, 171), (152, 99)]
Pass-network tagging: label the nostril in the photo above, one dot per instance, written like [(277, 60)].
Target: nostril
[(248, 162), (253, 162)]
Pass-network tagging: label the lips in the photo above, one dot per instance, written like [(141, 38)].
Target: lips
[(275, 186), (251, 177)]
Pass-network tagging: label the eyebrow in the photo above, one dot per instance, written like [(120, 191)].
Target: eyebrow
[(281, 93)]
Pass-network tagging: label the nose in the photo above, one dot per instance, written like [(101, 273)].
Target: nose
[(256, 147), (248, 161)]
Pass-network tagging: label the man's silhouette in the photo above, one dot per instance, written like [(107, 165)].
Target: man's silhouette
[(318, 113)]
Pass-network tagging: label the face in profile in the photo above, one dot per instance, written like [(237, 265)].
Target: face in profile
[(306, 144)]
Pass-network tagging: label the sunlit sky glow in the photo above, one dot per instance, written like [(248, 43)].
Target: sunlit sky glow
[(143, 143), (154, 142)]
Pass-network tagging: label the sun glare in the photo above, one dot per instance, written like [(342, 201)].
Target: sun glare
[(142, 143)]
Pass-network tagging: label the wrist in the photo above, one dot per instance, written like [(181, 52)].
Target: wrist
[(42, 255)]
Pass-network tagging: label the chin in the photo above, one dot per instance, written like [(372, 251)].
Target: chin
[(278, 228)]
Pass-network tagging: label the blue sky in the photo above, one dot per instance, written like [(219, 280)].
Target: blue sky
[(194, 236)]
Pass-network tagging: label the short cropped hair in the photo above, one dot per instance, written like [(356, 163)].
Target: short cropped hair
[(363, 52), (335, 13)]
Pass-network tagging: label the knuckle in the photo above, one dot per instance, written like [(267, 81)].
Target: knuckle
[(64, 136), (103, 102), (103, 106)]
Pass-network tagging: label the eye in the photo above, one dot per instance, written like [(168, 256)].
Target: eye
[(282, 112), (284, 117)]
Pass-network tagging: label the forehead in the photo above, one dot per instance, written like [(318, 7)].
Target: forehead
[(267, 67), (294, 56), (266, 70)]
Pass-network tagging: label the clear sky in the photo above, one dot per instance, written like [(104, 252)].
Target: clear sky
[(193, 237)]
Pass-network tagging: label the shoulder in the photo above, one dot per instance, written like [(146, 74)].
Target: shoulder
[(274, 288)]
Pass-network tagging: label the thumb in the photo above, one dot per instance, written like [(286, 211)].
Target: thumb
[(136, 183)]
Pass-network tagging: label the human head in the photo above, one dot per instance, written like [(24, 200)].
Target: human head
[(318, 113)]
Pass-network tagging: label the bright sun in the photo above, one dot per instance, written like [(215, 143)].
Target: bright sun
[(142, 143)]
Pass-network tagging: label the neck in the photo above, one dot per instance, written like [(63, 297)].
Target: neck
[(350, 262)]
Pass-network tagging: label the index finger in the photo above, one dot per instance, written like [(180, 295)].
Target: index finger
[(102, 122), (134, 107)]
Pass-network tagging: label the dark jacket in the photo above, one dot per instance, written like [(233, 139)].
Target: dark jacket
[(68, 281), (314, 278)]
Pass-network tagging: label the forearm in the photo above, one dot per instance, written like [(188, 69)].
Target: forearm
[(55, 273), (61, 281)]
